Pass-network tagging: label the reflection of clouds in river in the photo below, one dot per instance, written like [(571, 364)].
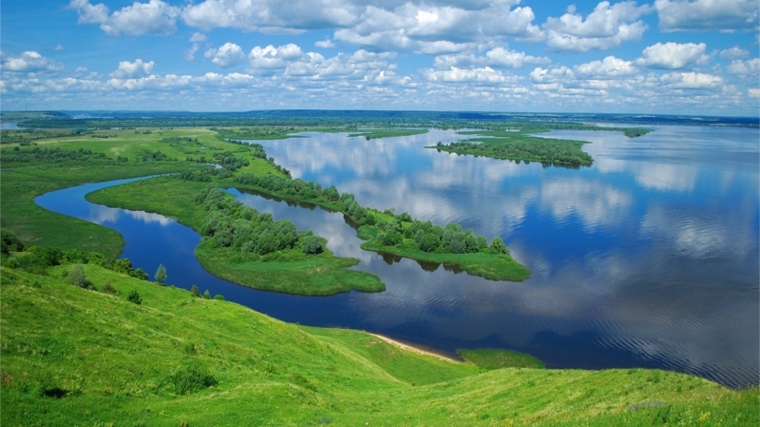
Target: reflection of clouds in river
[(666, 177), (701, 233), (595, 202), (101, 214), (150, 218)]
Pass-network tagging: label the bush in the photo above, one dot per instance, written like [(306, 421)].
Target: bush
[(9, 243), (191, 378), (134, 297), (194, 291), (76, 277), (312, 245)]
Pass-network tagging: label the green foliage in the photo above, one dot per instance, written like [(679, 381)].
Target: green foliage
[(161, 274), (219, 297), (207, 294), (490, 359), (9, 243), (77, 278), (37, 154), (194, 291), (191, 378), (134, 297), (312, 245)]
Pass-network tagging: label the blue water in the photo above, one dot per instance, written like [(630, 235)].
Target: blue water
[(649, 258)]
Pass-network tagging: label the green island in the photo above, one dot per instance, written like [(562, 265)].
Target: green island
[(86, 342), (520, 145)]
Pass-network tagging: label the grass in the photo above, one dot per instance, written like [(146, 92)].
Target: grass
[(322, 274), (72, 356)]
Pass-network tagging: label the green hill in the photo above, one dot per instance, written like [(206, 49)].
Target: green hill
[(74, 356)]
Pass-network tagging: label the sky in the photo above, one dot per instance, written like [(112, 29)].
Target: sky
[(696, 57)]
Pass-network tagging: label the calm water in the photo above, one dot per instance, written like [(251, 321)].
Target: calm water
[(649, 258)]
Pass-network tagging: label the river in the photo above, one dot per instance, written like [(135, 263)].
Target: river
[(648, 258)]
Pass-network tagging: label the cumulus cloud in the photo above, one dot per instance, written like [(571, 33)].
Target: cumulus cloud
[(691, 80), (497, 57), (325, 44), (704, 15), (154, 17), (610, 67), (271, 15), (485, 75), (271, 57), (131, 70), (673, 55), (228, 55), (29, 61), (734, 53), (198, 38), (437, 29), (749, 67), (607, 27)]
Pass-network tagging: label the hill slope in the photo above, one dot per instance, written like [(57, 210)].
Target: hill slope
[(73, 356)]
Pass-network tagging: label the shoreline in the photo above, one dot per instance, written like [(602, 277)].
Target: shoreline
[(414, 349)]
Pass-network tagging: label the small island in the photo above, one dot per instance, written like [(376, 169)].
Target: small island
[(520, 145)]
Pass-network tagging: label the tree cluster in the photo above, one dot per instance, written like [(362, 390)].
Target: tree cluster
[(305, 190), (230, 224), (50, 155)]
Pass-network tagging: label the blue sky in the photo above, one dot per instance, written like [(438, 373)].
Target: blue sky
[(662, 56)]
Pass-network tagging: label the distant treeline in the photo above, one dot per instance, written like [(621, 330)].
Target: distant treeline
[(352, 119)]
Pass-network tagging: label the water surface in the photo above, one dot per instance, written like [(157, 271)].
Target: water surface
[(649, 258)]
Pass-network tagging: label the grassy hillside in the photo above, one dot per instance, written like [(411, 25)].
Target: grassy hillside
[(73, 356)]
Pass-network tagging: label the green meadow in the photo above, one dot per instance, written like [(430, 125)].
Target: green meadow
[(92, 357)]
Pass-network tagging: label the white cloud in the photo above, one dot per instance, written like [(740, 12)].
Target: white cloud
[(271, 57), (750, 67), (753, 93), (131, 70), (190, 53), (58, 48), (228, 55), (29, 61), (704, 15), (485, 75), (691, 80), (437, 29), (154, 17), (734, 53), (605, 28), (325, 44), (198, 38), (673, 55), (497, 57), (271, 15), (610, 67)]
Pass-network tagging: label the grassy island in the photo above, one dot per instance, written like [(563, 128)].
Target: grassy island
[(100, 347), (520, 145)]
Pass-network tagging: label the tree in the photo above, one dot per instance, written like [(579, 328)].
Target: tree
[(312, 245), (161, 274), (429, 242), (195, 291), (498, 246), (76, 277), (207, 294)]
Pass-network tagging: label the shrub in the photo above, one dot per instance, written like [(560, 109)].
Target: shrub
[(195, 291), (219, 297), (312, 245), (76, 277), (9, 243), (191, 378), (134, 297)]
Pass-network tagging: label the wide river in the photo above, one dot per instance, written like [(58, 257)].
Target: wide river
[(648, 258)]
